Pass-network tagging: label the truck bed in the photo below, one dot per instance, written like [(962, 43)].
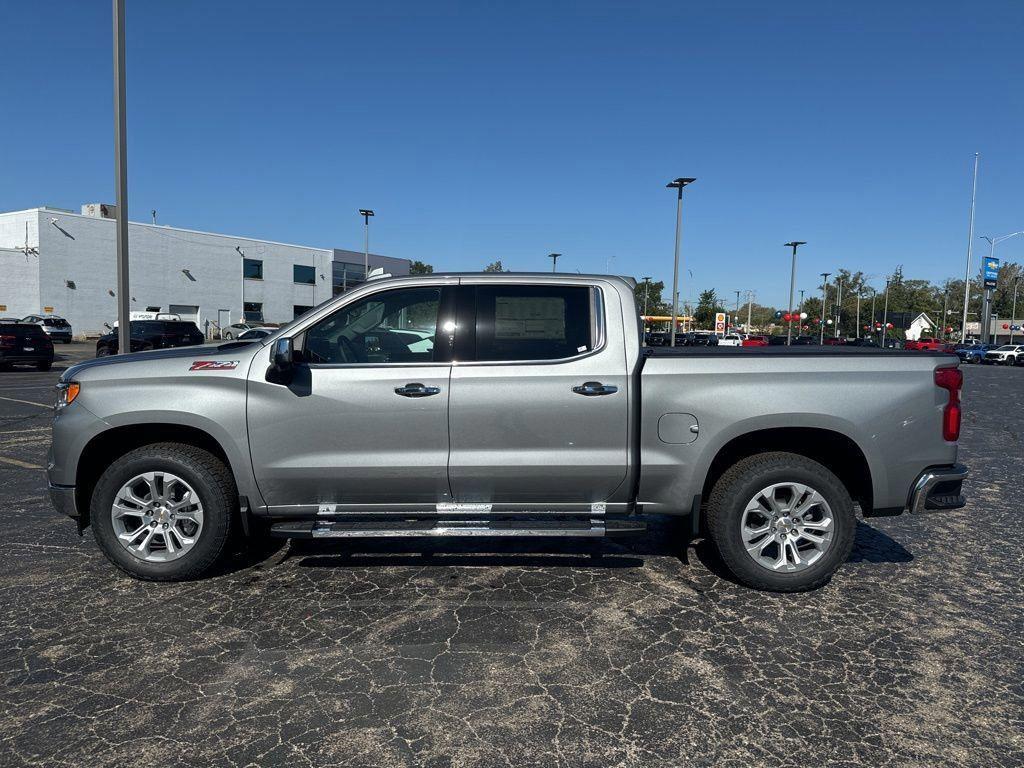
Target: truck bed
[(794, 351)]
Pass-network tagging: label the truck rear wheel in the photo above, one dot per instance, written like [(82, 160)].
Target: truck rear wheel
[(164, 512), (781, 522)]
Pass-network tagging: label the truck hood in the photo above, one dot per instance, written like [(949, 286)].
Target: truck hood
[(225, 351)]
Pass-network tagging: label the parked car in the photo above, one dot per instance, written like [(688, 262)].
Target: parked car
[(152, 334), (1004, 355), (930, 345), (755, 341), (778, 340), (57, 328), (699, 339), (344, 418), (834, 341), (731, 340), (804, 341), (658, 339), (25, 344), (863, 341), (893, 344), (235, 330), (254, 334)]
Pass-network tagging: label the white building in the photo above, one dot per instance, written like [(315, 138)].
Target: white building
[(919, 326), (60, 262)]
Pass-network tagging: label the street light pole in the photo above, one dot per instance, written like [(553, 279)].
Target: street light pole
[(366, 213), (241, 292), (824, 296), (1013, 312), (736, 316), (857, 329), (839, 304), (678, 184), (124, 344), (647, 289), (554, 260), (885, 311), (794, 244), (970, 246), (986, 293)]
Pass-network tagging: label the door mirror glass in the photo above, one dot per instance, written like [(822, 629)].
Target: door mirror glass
[(282, 362)]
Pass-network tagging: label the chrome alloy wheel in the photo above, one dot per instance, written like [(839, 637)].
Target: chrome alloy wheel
[(157, 517), (787, 527)]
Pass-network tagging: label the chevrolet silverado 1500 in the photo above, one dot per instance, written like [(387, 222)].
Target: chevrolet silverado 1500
[(500, 405)]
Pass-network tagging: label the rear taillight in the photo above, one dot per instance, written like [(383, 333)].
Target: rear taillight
[(7, 342), (951, 380)]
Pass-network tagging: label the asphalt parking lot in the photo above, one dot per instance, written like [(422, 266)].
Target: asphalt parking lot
[(621, 652)]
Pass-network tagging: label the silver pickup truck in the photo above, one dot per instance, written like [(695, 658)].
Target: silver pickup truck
[(500, 405)]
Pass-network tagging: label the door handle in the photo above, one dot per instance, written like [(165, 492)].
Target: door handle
[(595, 388), (415, 389)]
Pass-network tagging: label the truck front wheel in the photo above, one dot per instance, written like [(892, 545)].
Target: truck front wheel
[(163, 512), (781, 522)]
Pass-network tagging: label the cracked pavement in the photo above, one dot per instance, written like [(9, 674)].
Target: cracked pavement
[(631, 652)]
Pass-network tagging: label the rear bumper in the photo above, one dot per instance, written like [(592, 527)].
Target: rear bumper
[(938, 489), (63, 498)]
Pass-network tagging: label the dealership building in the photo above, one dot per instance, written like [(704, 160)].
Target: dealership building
[(55, 261)]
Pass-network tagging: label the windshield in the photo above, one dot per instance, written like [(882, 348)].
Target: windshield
[(1006, 348)]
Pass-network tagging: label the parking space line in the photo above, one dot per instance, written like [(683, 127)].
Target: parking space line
[(17, 463), (26, 402)]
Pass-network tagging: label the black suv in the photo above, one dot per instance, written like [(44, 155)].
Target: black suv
[(153, 334), (25, 344)]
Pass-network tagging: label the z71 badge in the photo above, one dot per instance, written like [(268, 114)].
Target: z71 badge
[(214, 365)]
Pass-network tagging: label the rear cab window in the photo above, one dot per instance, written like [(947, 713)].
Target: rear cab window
[(528, 322)]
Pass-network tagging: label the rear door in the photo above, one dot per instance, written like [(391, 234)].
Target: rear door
[(539, 396)]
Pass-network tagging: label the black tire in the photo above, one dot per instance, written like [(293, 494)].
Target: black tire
[(103, 351), (44, 365), (741, 482), (212, 482)]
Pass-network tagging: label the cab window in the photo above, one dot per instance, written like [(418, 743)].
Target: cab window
[(390, 327)]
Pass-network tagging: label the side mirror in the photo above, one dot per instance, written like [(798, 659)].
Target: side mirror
[(282, 366)]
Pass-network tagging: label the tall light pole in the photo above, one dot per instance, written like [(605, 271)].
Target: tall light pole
[(678, 184), (794, 244), (874, 295), (857, 329), (970, 246), (986, 303), (124, 343), (885, 311), (824, 296), (1013, 312), (647, 289), (750, 300), (736, 314), (366, 213), (839, 304), (241, 293), (554, 260)]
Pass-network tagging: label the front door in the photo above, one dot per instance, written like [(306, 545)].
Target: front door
[(539, 399), (365, 420)]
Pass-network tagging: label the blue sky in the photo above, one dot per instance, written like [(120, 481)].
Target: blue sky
[(483, 130)]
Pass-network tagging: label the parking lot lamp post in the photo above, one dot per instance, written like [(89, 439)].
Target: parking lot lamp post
[(554, 260), (1013, 312), (678, 184), (970, 245), (241, 293), (839, 304), (885, 311), (874, 294), (366, 213), (792, 285), (647, 289), (857, 329), (750, 303), (824, 297)]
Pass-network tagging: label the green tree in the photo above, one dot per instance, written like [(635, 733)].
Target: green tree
[(707, 305), (650, 295), (421, 268), (495, 266)]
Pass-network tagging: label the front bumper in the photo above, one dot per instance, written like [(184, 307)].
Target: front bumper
[(938, 489), (63, 498)]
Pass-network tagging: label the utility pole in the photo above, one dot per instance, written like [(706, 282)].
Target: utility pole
[(839, 304), (794, 244), (1013, 312), (885, 311), (970, 246), (678, 184), (124, 344), (554, 260), (366, 213), (824, 297)]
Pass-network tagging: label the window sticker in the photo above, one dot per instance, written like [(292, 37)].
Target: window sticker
[(529, 317)]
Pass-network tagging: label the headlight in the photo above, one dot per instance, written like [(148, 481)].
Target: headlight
[(67, 391)]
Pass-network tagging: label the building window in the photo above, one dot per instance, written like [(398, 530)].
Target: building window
[(254, 310), (303, 274), (298, 310), (345, 275), (252, 269)]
